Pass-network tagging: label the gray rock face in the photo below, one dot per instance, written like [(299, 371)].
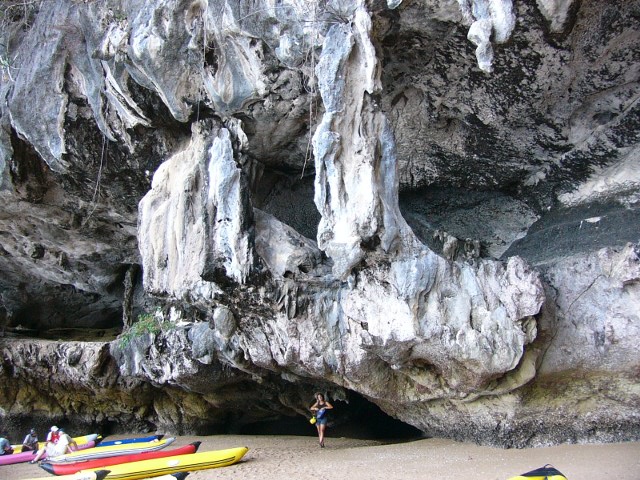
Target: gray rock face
[(195, 224), (430, 204)]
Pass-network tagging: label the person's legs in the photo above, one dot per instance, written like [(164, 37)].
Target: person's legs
[(321, 429), (39, 455)]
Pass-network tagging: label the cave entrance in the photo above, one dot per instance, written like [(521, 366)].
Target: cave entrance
[(356, 418)]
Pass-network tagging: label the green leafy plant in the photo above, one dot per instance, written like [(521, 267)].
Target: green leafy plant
[(147, 323)]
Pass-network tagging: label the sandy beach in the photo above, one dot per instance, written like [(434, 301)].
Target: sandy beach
[(299, 458)]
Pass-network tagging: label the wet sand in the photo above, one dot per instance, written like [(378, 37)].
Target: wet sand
[(300, 458)]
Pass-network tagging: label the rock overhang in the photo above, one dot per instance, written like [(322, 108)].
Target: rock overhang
[(437, 117)]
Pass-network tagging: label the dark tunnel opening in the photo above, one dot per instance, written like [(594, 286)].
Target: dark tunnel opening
[(356, 418)]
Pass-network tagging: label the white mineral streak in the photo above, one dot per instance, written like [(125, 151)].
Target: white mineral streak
[(128, 111), (487, 18), (355, 185), (154, 33), (6, 151), (43, 71), (90, 72), (226, 210), (164, 220), (114, 42), (469, 321), (193, 215), (112, 49), (237, 78), (556, 12)]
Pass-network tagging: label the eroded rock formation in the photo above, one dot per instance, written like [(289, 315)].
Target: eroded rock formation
[(429, 204)]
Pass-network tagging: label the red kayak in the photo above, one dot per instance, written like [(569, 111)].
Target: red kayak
[(71, 468)]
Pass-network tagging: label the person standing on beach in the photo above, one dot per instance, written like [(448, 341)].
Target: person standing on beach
[(320, 408)]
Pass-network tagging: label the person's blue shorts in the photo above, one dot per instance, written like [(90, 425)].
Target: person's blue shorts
[(321, 421)]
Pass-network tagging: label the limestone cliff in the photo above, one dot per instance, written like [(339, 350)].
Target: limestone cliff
[(427, 205)]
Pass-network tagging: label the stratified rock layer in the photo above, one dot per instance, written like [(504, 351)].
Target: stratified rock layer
[(431, 204)]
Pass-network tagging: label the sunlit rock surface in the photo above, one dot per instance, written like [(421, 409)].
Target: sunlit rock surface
[(427, 205)]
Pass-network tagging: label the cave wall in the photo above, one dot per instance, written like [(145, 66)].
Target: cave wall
[(427, 204)]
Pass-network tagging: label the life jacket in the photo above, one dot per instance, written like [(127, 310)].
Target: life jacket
[(322, 410)]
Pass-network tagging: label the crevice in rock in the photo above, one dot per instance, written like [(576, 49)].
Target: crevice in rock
[(129, 282), (62, 312), (277, 193), (31, 177), (457, 222), (570, 231)]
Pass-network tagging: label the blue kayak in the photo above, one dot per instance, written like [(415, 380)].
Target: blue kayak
[(123, 441)]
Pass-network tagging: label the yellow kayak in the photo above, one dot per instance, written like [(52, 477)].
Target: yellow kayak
[(111, 451), (179, 463), (79, 440), (547, 472), (96, 475)]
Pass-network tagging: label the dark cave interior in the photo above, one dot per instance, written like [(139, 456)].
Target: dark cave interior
[(357, 418)]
